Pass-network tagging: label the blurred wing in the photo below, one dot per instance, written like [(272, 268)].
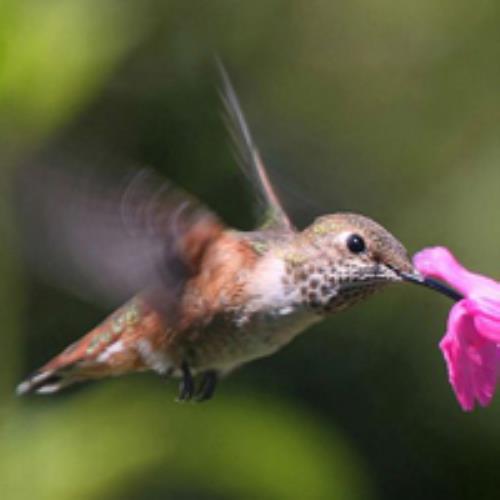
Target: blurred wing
[(253, 166), (106, 238)]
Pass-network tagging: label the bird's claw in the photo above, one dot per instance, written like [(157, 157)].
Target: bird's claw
[(186, 387), (207, 386), (205, 390)]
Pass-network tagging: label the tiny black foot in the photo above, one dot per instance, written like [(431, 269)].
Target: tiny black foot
[(207, 386), (186, 387)]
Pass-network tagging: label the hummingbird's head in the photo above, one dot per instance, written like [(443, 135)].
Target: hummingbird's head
[(354, 256)]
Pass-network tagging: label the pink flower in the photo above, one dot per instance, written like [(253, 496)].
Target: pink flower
[(471, 346)]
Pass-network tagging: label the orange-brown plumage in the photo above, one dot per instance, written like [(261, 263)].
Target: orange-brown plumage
[(218, 284)]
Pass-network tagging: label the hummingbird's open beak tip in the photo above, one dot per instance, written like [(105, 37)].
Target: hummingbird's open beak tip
[(416, 278)]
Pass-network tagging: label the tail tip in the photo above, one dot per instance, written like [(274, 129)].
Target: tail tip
[(41, 383), (23, 388)]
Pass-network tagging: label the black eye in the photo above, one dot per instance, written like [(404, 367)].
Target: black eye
[(355, 243)]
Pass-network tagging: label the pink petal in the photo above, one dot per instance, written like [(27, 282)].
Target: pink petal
[(488, 328), (486, 319), (439, 262), (471, 346), (471, 359)]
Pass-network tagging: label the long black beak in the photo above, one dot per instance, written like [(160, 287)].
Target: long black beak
[(432, 284)]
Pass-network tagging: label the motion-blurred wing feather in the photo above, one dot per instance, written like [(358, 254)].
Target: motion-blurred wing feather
[(250, 159), (107, 239)]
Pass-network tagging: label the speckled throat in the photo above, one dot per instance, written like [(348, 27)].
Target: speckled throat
[(328, 286)]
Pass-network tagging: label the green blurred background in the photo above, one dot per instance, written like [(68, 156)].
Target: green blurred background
[(381, 107)]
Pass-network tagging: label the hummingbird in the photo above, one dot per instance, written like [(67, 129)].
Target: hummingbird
[(202, 298)]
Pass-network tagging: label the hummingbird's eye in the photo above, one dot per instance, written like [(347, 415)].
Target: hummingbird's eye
[(355, 243)]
